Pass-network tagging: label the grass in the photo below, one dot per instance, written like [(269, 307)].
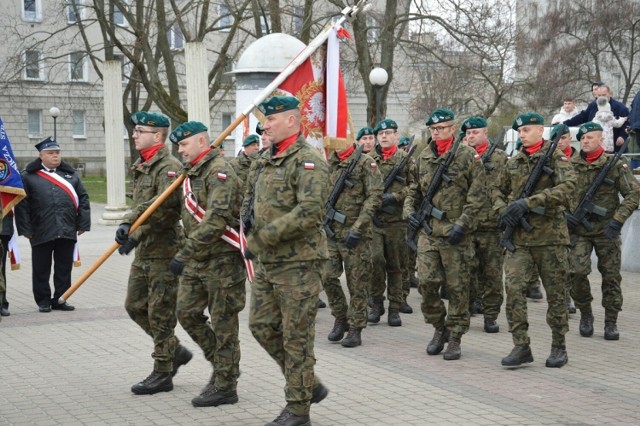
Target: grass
[(96, 186)]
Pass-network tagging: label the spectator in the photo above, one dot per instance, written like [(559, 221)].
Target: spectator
[(5, 236), (605, 118), (567, 111), (634, 131)]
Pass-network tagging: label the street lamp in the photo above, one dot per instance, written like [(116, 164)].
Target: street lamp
[(378, 78), (55, 112)]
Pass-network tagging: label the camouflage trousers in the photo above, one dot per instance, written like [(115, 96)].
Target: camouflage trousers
[(357, 266), (441, 263), (608, 251), (408, 270), (486, 272), (215, 286), (151, 302), (388, 247), (552, 264), (282, 320)]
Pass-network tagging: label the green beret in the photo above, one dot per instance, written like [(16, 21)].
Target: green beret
[(385, 124), (152, 119), (405, 140), (186, 130), (439, 116), (364, 131), (560, 130), (475, 122), (259, 128), (587, 127), (250, 139), (528, 118), (278, 104)]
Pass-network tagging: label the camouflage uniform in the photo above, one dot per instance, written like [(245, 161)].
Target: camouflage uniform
[(241, 165), (358, 204), (461, 200), (607, 249), (152, 289), (213, 277), (291, 248), (545, 248)]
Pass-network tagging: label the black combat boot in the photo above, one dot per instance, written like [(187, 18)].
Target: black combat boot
[(405, 308), (181, 357), (156, 382), (558, 357), (476, 307), (320, 392), (436, 345), (287, 418), (394, 317), (212, 397), (586, 324), (320, 304), (520, 354), (453, 351), (340, 326), (491, 325), (611, 331), (376, 311), (534, 293), (353, 338)]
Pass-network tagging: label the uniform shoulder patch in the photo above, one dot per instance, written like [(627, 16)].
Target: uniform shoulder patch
[(222, 176), (476, 157), (309, 165), (563, 158), (625, 166), (171, 174), (373, 165)]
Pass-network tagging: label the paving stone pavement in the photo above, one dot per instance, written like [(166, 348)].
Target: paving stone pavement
[(77, 367)]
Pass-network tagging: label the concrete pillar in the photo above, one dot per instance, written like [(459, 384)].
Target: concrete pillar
[(114, 144), (195, 55)]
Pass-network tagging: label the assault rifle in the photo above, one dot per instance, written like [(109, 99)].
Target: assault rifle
[(540, 168), (248, 221), (394, 175), (331, 213), (427, 210), (487, 156), (586, 205)]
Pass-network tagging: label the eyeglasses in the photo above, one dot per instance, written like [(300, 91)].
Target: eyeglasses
[(140, 131), (386, 132), (439, 128)]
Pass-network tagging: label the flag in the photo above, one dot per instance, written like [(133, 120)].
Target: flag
[(11, 187), (14, 252)]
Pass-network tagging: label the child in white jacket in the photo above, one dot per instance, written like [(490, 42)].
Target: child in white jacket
[(605, 118)]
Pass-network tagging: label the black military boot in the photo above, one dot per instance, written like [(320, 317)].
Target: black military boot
[(475, 308), (405, 308), (320, 304), (353, 338), (340, 326), (287, 418), (156, 382), (436, 345), (376, 311), (212, 396), (586, 324), (534, 293), (520, 354), (181, 357), (320, 392), (393, 319), (453, 351), (491, 325), (611, 331), (558, 357)]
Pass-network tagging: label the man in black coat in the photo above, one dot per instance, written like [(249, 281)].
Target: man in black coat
[(54, 213)]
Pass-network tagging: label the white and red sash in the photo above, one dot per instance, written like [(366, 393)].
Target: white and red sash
[(14, 252)]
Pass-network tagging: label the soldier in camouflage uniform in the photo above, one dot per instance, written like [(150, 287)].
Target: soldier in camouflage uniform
[(211, 267), (545, 246), (486, 272), (445, 256), (242, 163), (291, 248), (605, 235), (367, 139), (409, 258), (152, 288), (350, 246)]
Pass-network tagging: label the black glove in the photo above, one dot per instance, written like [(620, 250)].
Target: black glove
[(176, 266), (248, 254), (129, 245), (572, 222), (388, 199), (514, 212), (612, 229), (122, 233), (413, 222), (352, 239), (455, 235)]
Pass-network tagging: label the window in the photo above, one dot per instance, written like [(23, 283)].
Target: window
[(226, 120), (298, 16), (373, 30), (175, 37), (33, 65), (226, 19), (74, 11), (32, 10), (265, 23), (79, 124), (78, 67), (34, 123), (125, 66), (118, 17)]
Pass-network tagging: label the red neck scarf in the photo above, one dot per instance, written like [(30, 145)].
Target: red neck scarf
[(567, 151), (534, 148), (594, 155), (388, 152), (480, 149), (148, 153), (346, 153), (443, 145), (284, 144), (200, 156)]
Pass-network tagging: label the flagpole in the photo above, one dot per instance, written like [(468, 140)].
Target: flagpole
[(348, 14)]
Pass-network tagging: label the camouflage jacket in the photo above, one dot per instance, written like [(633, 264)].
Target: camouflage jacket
[(607, 195), (550, 197), (360, 202), (160, 236), (398, 189), (487, 217), (217, 188), (241, 165), (290, 194), (460, 200)]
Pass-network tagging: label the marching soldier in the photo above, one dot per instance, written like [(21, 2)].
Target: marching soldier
[(367, 139), (242, 163)]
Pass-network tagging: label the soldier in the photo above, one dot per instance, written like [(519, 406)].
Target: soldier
[(545, 246), (487, 267), (211, 267), (241, 163), (291, 248), (389, 229), (367, 139), (605, 235), (445, 255), (152, 289), (350, 243), (409, 259)]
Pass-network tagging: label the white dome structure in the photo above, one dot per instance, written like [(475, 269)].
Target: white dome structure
[(281, 48)]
